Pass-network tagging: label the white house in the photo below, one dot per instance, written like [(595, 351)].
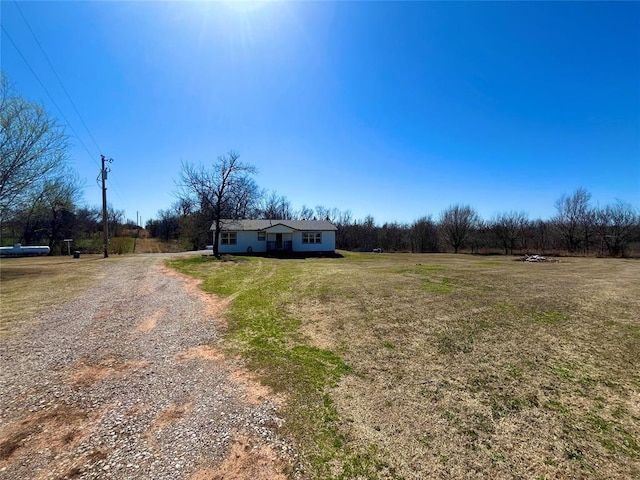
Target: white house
[(276, 236)]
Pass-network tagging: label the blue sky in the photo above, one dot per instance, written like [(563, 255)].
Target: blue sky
[(394, 109)]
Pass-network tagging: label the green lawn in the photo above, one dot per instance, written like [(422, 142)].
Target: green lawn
[(443, 366)]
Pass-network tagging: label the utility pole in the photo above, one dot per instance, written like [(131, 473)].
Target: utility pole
[(105, 223)]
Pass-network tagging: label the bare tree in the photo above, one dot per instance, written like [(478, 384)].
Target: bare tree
[(115, 219), (394, 236), (539, 234), (49, 212), (509, 228), (305, 213), (322, 212), (32, 148), (615, 226), (344, 217), (167, 226), (60, 197), (368, 236), (424, 235), (457, 223), (87, 221), (183, 206), (227, 188), (242, 199), (343, 224), (275, 207), (478, 236), (572, 219)]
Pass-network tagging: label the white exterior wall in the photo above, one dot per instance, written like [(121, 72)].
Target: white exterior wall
[(245, 240), (328, 243), (279, 229)]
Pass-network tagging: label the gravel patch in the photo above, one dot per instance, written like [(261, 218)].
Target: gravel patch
[(125, 382)]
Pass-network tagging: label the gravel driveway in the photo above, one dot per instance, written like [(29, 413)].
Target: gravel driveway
[(126, 382)]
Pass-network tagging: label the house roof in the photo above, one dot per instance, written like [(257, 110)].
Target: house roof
[(306, 225)]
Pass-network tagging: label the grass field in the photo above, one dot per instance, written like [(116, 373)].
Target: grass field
[(444, 366), (153, 245), (33, 284)]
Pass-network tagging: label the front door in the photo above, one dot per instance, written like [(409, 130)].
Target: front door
[(278, 241)]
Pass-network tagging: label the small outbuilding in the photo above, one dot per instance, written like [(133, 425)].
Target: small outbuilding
[(277, 236)]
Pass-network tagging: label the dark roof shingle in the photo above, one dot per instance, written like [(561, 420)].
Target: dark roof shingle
[(307, 225)]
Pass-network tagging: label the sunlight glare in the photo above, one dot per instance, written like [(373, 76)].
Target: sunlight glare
[(247, 6)]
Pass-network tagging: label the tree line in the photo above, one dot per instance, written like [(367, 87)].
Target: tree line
[(227, 189), (40, 202), (577, 228)]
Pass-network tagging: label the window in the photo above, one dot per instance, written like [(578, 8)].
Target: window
[(229, 238), (311, 237), (262, 236)]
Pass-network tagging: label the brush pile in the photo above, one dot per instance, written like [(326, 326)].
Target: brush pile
[(538, 258)]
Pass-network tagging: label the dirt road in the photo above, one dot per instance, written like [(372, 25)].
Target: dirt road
[(126, 382)]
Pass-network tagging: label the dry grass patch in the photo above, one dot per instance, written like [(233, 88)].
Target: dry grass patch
[(153, 245), (462, 367), (29, 286), (516, 370)]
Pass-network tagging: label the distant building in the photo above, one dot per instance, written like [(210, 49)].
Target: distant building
[(277, 236)]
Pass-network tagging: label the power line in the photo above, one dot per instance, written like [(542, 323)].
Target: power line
[(115, 185), (48, 94), (119, 193), (57, 76)]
